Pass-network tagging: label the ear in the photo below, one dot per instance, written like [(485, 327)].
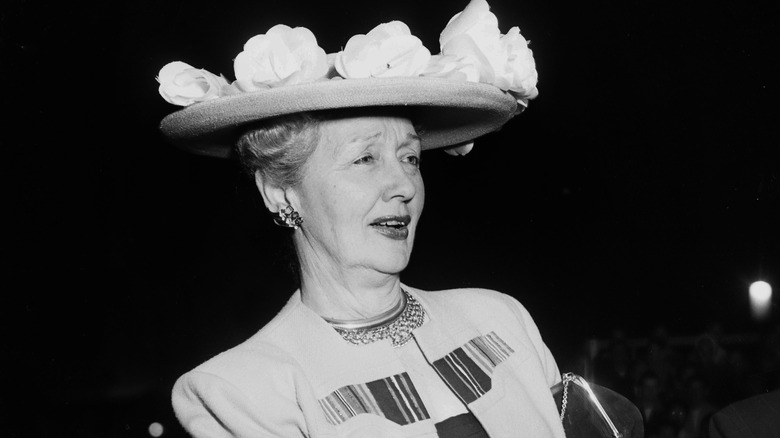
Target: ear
[(274, 197)]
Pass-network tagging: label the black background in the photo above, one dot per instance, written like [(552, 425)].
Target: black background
[(640, 189)]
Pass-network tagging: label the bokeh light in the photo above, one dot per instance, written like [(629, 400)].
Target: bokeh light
[(760, 299), (156, 429)]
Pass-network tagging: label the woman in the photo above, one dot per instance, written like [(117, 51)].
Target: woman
[(334, 146)]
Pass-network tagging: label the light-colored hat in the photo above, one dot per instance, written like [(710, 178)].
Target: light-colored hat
[(478, 82)]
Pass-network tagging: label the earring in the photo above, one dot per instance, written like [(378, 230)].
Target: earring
[(288, 218)]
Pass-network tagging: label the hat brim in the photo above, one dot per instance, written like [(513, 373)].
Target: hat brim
[(450, 112)]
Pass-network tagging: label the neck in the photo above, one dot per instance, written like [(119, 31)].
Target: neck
[(343, 292), (375, 321), (347, 302)]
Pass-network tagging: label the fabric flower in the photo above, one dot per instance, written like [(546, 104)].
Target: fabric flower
[(519, 76), (282, 56), (460, 150), (182, 84), (388, 50), (451, 67), (502, 60)]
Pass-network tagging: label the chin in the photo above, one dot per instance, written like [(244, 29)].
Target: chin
[(394, 264), (390, 257)]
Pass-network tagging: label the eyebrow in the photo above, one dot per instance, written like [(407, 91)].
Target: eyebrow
[(365, 139), (410, 137)]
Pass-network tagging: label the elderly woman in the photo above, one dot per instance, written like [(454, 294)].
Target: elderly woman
[(333, 143)]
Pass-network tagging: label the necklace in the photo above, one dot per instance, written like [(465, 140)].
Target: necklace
[(395, 324)]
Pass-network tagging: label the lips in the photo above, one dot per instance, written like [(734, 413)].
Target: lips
[(392, 221), (394, 227)]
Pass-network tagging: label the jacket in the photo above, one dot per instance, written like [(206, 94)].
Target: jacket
[(297, 377)]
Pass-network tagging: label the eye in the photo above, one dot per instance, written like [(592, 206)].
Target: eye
[(414, 160), (365, 159)]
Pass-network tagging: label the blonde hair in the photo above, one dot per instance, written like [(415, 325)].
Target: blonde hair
[(278, 148)]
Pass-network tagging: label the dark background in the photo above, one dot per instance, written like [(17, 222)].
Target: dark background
[(641, 189)]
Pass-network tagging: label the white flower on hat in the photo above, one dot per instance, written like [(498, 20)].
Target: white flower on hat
[(519, 76), (502, 60), (281, 56), (388, 50), (451, 67), (183, 84), (460, 150)]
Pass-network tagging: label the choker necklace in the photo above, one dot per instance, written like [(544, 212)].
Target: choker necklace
[(395, 324)]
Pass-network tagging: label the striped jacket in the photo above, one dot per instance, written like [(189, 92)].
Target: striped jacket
[(297, 378)]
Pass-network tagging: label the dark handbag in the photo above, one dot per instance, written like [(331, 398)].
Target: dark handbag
[(589, 410)]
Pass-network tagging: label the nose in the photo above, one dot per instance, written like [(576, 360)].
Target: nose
[(401, 181)]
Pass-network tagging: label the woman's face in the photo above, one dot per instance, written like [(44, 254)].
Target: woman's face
[(362, 195)]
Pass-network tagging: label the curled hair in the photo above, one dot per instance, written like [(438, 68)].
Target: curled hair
[(278, 148)]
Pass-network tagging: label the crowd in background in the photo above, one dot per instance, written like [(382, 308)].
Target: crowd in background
[(678, 382)]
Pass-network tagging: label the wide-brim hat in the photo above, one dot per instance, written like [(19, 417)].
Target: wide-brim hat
[(449, 112)]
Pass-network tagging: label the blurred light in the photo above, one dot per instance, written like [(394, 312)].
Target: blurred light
[(760, 299), (156, 429)]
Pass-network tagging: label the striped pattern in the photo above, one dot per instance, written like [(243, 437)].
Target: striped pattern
[(394, 398), (468, 369)]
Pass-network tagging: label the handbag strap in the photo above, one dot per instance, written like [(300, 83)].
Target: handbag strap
[(566, 378)]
